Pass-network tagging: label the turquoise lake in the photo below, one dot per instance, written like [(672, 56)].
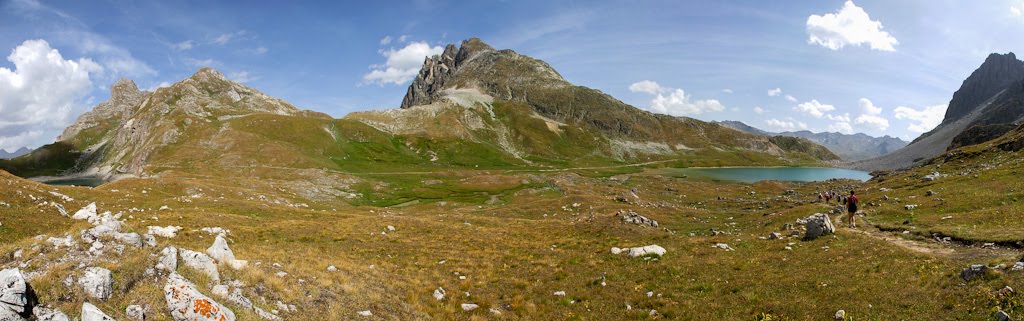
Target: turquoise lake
[(757, 174)]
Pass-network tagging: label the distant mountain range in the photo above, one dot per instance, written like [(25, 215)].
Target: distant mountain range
[(16, 153), (848, 147), (989, 103), (472, 106)]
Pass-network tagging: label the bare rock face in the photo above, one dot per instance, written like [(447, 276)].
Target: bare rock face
[(16, 296), (186, 303), (49, 314), (97, 283), (995, 74), (168, 259), (125, 97)]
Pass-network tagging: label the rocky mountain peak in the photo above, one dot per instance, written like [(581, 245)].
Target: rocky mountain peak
[(995, 74)]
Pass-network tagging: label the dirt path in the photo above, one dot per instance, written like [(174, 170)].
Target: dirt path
[(934, 248)]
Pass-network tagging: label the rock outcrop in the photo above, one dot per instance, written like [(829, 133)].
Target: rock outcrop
[(995, 74), (92, 313), (16, 296), (186, 303), (200, 262), (818, 225), (97, 282)]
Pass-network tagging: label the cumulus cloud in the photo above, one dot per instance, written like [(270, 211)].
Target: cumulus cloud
[(871, 115), (646, 86), (402, 65), (791, 98), (674, 101), (924, 120), (814, 108), (841, 127), (1017, 9), (39, 94), (758, 109), (840, 118), (774, 92), (241, 77), (385, 41), (850, 26), (785, 125)]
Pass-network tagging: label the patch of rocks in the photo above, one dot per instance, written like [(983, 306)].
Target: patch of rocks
[(817, 225), (632, 217)]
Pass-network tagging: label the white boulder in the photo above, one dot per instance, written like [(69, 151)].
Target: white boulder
[(653, 249), (164, 231), (86, 213), (200, 262), (186, 302), (168, 259), (135, 312), (16, 298), (92, 313), (97, 283), (49, 314), (818, 225)]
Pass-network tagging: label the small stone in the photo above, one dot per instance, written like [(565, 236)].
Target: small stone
[(92, 313), (840, 315), (439, 293), (332, 269), (559, 293), (48, 314), (469, 306), (973, 272), (1002, 316), (220, 290), (365, 313)]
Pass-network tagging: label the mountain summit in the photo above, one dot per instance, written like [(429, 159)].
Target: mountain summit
[(995, 74)]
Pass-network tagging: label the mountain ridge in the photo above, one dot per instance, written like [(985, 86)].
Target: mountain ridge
[(849, 147)]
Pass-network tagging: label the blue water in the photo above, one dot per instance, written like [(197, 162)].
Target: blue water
[(757, 174), (76, 181)]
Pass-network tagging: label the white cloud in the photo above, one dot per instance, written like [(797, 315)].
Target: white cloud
[(785, 125), (840, 118), (162, 84), (403, 38), (674, 101), (241, 77), (225, 38), (791, 98), (117, 60), (402, 65), (759, 110), (646, 86), (926, 119), (260, 50), (727, 91), (774, 92), (385, 41), (841, 127), (184, 45), (871, 115), (38, 95), (852, 26), (1017, 9), (814, 108)]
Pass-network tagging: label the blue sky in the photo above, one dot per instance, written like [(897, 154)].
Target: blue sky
[(878, 67)]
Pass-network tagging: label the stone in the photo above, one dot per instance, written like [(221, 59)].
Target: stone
[(332, 268), (559, 293), (910, 207), (774, 236), (97, 282), (61, 241), (220, 290), (86, 213), (49, 314), (818, 225), (135, 312), (1002, 316), (16, 296), (723, 246), (654, 250), (616, 251), (1018, 266), (929, 193), (60, 208), (469, 306), (149, 240), (200, 262), (973, 272), (164, 231), (222, 253), (186, 302), (92, 313), (840, 315), (132, 239), (632, 217), (168, 259), (365, 313), (439, 293)]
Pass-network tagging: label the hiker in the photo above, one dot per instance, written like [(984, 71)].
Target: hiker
[(851, 208), (820, 197)]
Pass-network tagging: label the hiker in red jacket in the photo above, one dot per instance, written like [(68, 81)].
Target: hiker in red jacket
[(851, 208)]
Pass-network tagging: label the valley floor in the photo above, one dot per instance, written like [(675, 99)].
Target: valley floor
[(527, 246)]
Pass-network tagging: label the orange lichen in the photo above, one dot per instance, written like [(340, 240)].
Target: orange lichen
[(205, 308)]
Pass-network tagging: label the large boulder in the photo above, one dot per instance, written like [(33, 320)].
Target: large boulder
[(186, 303), (818, 225), (200, 262), (92, 313), (97, 283), (86, 213), (16, 296), (654, 249)]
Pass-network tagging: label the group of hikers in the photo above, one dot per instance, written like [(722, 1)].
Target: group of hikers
[(851, 202)]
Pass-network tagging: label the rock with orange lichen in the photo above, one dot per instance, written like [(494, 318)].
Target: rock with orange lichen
[(186, 303)]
